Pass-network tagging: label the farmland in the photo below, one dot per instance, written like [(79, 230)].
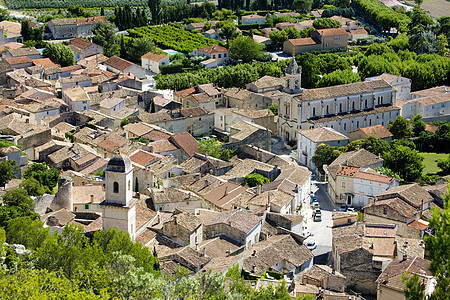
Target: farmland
[(171, 37), (36, 4)]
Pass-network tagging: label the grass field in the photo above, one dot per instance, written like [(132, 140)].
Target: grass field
[(430, 161), (437, 8)]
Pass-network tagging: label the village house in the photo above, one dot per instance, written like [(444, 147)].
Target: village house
[(30, 52), (9, 32), (262, 117), (404, 206), (243, 133), (196, 121), (82, 49), (253, 19), (324, 277), (280, 253), (240, 98), (38, 110), (183, 228), (320, 40), (73, 28), (75, 81), (378, 131), (20, 62), (118, 65), (352, 179), (241, 226), (220, 54), (309, 139), (76, 98), (343, 108), (390, 285), (171, 199), (402, 85), (360, 251), (88, 197), (431, 108), (153, 61)]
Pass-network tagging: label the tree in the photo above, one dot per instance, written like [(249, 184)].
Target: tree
[(26, 231), (444, 165), (105, 36), (274, 109), (26, 30), (371, 144), (124, 122), (4, 14), (155, 10), (325, 155), (18, 198), (33, 187), (338, 77), (303, 6), (324, 23), (404, 161), (140, 46), (278, 37), (228, 31), (418, 125), (6, 172), (210, 147), (153, 107), (102, 11), (77, 10), (442, 44), (400, 128), (255, 179), (47, 177), (61, 53), (245, 48), (388, 172), (436, 245), (414, 289)]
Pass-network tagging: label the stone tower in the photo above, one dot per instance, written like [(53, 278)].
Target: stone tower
[(64, 195), (119, 207), (293, 77)]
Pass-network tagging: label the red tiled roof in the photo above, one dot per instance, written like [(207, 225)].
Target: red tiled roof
[(154, 56), (332, 31), (302, 42), (118, 63), (156, 135), (142, 157), (44, 62), (90, 20), (347, 171), (162, 146), (418, 225), (374, 177), (377, 131), (18, 60), (213, 49), (186, 142), (80, 43)]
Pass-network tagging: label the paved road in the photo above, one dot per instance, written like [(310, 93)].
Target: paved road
[(321, 231)]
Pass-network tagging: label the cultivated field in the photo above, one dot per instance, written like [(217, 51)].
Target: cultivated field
[(437, 8)]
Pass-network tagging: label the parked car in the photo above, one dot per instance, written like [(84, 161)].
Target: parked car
[(317, 217), (313, 198), (311, 245), (351, 209), (343, 207), (315, 205), (307, 234), (317, 211)]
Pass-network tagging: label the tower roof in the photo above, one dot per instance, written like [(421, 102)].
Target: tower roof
[(119, 163), (293, 67)]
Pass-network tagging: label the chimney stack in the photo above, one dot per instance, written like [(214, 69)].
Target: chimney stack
[(386, 277), (226, 191), (405, 257), (254, 253), (92, 198)]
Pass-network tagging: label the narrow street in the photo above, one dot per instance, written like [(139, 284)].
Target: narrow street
[(321, 231)]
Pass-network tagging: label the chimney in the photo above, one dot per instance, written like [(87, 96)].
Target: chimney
[(386, 277), (405, 257), (175, 219), (206, 182), (258, 189), (226, 191), (253, 269), (203, 251), (254, 253), (333, 271), (92, 197)]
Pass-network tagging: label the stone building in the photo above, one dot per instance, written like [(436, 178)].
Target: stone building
[(119, 206), (343, 108), (325, 277), (72, 28)]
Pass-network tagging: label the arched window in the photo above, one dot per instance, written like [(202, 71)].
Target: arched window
[(370, 122), (340, 107), (345, 126), (327, 110), (365, 104), (314, 111), (353, 105), (115, 187)]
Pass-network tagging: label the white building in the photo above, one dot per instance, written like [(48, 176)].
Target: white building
[(402, 85), (218, 53), (253, 19), (343, 108), (76, 98), (119, 207), (434, 107), (152, 61), (309, 139), (111, 106)]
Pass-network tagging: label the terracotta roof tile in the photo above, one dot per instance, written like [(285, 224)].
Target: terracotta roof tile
[(118, 63), (18, 60), (143, 157), (154, 56), (213, 49), (186, 142), (377, 131)]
